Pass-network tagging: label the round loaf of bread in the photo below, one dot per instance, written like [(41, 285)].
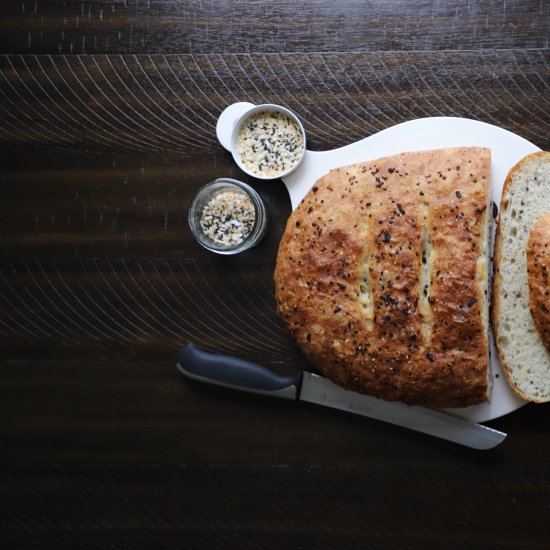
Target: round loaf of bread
[(381, 277), (520, 283), (538, 273)]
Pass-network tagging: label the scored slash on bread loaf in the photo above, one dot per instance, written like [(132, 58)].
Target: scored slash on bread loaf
[(523, 354), (381, 276)]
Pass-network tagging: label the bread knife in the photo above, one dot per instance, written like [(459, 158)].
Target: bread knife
[(236, 373)]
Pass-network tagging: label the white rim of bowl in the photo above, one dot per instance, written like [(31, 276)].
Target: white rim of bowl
[(253, 111)]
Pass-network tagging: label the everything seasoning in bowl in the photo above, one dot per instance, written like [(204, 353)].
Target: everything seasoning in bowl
[(227, 216), (268, 142)]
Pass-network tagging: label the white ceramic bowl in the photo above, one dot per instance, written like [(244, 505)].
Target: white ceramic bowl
[(249, 111)]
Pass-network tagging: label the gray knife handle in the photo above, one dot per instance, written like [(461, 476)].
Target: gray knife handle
[(225, 370)]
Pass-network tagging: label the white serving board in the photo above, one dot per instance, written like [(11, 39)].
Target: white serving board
[(507, 149)]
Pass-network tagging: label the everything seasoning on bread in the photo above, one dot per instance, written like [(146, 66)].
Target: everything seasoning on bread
[(521, 296), (381, 276)]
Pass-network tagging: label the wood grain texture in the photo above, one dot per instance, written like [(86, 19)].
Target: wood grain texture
[(122, 308), (171, 103), (144, 412), (230, 26), (383, 506), (115, 205), (108, 111)]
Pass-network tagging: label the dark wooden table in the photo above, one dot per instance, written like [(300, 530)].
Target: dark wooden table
[(108, 112)]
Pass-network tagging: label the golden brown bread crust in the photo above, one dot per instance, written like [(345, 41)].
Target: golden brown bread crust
[(538, 273), (379, 276)]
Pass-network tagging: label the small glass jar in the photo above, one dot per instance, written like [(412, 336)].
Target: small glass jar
[(227, 216)]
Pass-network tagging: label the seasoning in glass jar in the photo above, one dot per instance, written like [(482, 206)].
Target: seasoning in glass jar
[(227, 216)]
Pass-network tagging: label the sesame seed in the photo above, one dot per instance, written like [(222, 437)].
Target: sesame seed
[(269, 143), (228, 218)]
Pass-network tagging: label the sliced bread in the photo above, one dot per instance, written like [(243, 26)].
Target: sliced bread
[(524, 357)]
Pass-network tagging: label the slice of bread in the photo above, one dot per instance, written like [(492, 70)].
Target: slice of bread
[(523, 355)]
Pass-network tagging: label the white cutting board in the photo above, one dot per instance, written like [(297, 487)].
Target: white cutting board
[(507, 149)]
